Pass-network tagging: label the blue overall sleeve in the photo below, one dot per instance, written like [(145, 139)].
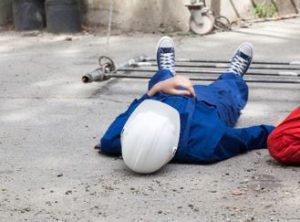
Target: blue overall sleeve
[(110, 143), (239, 140)]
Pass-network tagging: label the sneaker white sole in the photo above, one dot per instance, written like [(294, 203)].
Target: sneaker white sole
[(163, 39)]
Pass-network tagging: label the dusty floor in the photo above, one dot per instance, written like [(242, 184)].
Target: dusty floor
[(50, 122)]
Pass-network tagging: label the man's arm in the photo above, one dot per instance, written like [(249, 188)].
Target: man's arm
[(240, 140), (177, 85), (110, 143)]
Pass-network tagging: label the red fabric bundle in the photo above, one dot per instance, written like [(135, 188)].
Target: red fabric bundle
[(284, 141)]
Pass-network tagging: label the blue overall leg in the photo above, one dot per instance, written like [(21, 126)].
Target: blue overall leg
[(160, 75), (232, 96), (229, 93)]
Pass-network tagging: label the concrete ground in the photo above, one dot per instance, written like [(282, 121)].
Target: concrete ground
[(50, 122)]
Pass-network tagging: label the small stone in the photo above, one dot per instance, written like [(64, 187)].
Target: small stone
[(68, 39), (27, 209), (191, 206), (68, 192), (237, 192), (60, 175)]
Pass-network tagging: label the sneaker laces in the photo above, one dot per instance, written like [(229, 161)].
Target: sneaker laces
[(167, 60), (238, 65)]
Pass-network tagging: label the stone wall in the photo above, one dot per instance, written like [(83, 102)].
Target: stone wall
[(138, 15), (166, 15), (156, 15)]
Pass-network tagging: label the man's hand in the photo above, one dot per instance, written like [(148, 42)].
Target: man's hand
[(178, 85)]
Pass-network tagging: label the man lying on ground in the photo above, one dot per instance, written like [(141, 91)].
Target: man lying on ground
[(180, 122)]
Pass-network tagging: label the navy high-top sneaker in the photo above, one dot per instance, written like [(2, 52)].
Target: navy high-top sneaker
[(242, 59), (165, 54)]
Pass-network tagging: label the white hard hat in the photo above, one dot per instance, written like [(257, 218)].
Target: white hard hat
[(150, 136)]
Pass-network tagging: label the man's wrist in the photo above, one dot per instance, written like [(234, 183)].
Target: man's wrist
[(156, 88)]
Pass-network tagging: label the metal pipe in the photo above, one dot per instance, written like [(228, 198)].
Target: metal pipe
[(111, 6), (130, 62), (108, 66), (280, 73), (234, 9), (222, 65), (95, 75), (295, 6), (200, 79), (108, 69), (225, 61)]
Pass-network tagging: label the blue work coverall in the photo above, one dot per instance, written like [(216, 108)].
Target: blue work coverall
[(207, 134)]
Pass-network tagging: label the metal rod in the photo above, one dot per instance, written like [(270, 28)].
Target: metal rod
[(222, 65), (215, 72), (199, 79), (130, 62), (295, 6), (226, 61), (109, 21), (234, 9), (136, 65)]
